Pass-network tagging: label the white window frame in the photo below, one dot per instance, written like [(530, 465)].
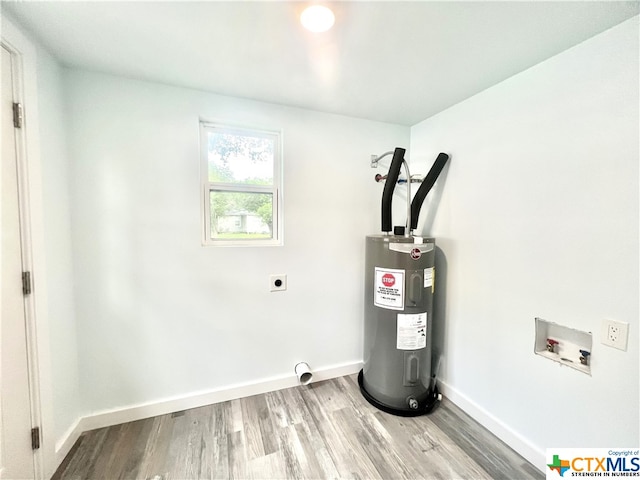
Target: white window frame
[(207, 187)]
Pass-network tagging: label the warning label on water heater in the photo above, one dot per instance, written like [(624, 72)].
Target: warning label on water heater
[(412, 331), (428, 277), (389, 288)]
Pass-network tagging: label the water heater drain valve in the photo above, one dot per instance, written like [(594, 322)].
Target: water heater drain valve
[(413, 403)]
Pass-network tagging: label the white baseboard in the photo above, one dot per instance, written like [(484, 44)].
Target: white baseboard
[(63, 446), (534, 454), (107, 418)]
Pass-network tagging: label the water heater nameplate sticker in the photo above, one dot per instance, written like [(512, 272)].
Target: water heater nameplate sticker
[(428, 277), (412, 331), (389, 288)]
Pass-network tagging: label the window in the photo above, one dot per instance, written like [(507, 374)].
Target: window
[(241, 186)]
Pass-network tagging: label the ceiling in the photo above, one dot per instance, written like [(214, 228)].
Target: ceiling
[(397, 62)]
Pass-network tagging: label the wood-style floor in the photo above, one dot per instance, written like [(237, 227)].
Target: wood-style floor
[(318, 431)]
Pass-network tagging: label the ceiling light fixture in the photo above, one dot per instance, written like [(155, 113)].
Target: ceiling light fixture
[(317, 18)]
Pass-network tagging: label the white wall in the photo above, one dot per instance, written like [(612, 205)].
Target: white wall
[(49, 236), (539, 217), (58, 249), (160, 315)]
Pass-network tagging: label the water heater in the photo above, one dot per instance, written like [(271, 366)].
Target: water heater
[(398, 325)]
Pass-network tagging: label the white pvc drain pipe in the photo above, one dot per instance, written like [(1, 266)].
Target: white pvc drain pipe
[(303, 372)]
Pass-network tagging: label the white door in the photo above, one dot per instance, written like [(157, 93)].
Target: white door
[(16, 454)]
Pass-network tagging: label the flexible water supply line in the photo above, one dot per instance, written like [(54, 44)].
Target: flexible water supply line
[(377, 159), (407, 228), (407, 232), (380, 178)]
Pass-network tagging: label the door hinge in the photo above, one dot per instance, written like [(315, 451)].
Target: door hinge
[(18, 115), (26, 283), (35, 438)]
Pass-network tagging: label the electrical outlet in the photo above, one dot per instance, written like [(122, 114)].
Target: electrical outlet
[(615, 334), (278, 282)]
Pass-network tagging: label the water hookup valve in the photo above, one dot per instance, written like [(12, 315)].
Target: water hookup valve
[(584, 357), (551, 345)]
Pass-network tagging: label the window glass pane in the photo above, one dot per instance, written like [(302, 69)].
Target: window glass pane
[(241, 215), (240, 158)]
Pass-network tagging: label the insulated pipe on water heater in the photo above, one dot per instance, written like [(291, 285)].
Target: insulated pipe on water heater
[(425, 188), (389, 186), (394, 171)]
